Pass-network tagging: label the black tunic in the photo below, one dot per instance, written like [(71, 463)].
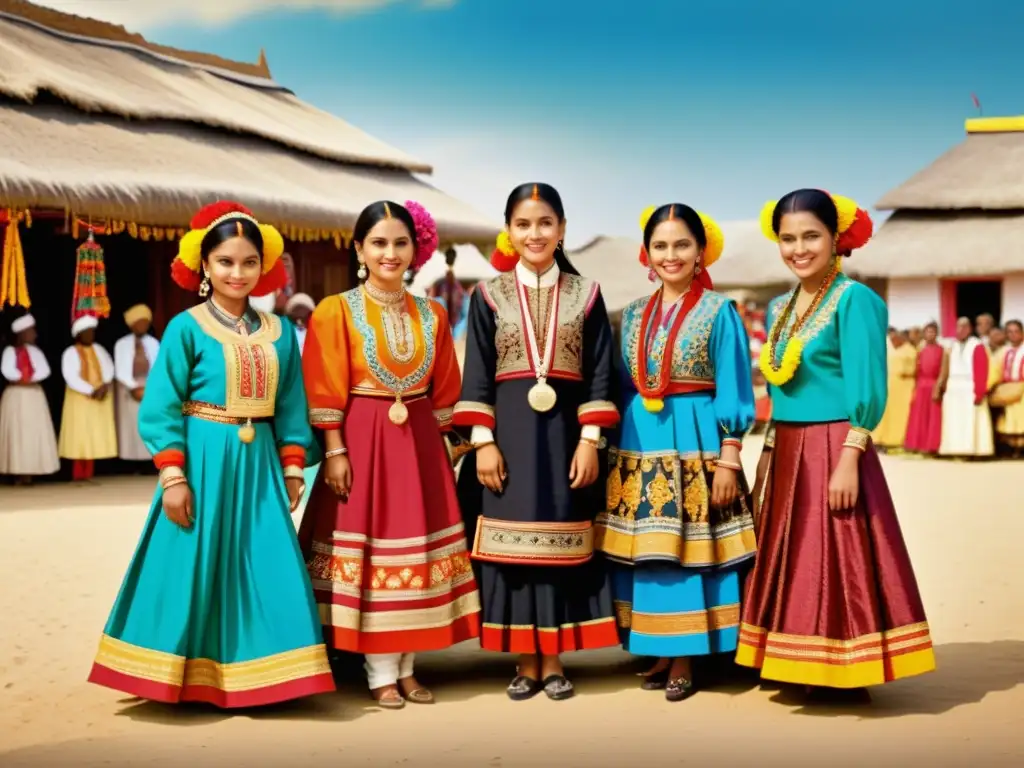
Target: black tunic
[(541, 584)]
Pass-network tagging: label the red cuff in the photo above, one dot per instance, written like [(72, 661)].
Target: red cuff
[(472, 414), (292, 456), (170, 457), (598, 413)]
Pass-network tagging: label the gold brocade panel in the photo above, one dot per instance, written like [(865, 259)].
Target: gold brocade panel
[(576, 295), (252, 368), (659, 508)]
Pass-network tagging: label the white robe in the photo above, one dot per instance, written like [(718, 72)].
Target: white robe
[(966, 427), (28, 443), (129, 443)]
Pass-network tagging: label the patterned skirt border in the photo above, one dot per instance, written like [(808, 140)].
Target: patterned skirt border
[(550, 641), (820, 661), (172, 679)]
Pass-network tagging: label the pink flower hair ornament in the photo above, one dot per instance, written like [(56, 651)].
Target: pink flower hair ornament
[(426, 233)]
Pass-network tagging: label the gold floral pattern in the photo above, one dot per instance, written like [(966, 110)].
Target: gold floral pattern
[(659, 508), (576, 295)]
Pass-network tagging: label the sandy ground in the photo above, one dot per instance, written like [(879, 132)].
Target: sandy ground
[(63, 551)]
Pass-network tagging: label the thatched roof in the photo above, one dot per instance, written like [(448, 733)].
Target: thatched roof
[(944, 244), (150, 136), (984, 172), (750, 260)]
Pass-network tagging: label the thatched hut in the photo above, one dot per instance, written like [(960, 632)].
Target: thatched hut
[(104, 129), (954, 245)]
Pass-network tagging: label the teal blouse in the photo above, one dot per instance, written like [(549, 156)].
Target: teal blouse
[(202, 361), (842, 374)]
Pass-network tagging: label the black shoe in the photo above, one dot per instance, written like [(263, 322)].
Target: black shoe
[(678, 688), (557, 687), (523, 688), (656, 681)]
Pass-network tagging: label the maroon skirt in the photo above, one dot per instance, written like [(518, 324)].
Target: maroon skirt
[(389, 565), (832, 600)]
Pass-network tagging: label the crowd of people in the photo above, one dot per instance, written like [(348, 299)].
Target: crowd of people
[(600, 500), (960, 397)]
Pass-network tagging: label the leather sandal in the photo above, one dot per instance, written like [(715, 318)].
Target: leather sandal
[(388, 697), (415, 693)]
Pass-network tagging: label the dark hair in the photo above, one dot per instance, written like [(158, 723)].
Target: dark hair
[(673, 210), (1008, 323), (933, 325), (375, 213), (812, 201), (549, 195), (228, 230)]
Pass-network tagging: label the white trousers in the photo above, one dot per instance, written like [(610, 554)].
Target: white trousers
[(388, 668)]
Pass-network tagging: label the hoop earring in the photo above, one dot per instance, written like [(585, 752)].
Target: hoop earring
[(361, 272), (204, 286)]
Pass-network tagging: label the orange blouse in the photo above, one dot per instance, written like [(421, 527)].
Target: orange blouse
[(358, 346)]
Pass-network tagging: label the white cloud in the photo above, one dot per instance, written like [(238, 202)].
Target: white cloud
[(138, 15)]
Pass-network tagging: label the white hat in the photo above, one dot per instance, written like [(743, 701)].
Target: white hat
[(23, 323), (84, 323), (300, 300)]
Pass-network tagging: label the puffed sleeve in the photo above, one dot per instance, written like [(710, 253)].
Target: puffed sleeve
[(599, 409), (9, 364), (447, 380), (326, 364), (161, 423), (734, 388), (863, 319), (475, 408), (291, 416)]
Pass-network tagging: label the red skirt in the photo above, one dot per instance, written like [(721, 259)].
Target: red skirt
[(832, 600), (389, 566), (924, 428)]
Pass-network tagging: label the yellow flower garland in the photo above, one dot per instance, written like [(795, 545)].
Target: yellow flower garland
[(787, 367)]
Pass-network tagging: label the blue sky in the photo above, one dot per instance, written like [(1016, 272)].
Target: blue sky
[(626, 104)]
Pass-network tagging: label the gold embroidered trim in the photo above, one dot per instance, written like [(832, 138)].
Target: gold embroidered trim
[(469, 406), (504, 541), (595, 406), (857, 438), (210, 412), (444, 416), (170, 669), (326, 416)]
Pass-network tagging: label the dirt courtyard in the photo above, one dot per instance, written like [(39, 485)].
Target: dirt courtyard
[(64, 549)]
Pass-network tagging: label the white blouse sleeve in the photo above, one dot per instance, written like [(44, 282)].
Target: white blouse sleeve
[(9, 365), (71, 370)]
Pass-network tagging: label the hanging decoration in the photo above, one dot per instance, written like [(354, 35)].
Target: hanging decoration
[(13, 283), (90, 297)]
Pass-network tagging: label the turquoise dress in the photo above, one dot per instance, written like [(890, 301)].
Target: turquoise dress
[(678, 561), (221, 612)]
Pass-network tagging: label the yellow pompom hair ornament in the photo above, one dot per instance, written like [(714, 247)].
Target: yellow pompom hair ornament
[(187, 265), (853, 223)]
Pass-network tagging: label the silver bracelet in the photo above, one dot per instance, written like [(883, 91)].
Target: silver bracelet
[(335, 452)]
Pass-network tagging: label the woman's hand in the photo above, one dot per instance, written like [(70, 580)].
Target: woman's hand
[(296, 486), (338, 475), (490, 467), (725, 487), (937, 394), (177, 502), (844, 486), (584, 468)]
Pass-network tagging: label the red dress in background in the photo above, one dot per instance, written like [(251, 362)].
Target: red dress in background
[(924, 430)]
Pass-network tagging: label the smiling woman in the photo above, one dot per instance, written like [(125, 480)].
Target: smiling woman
[(224, 415), (538, 389)]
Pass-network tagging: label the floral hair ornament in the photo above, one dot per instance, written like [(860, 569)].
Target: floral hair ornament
[(186, 269), (713, 235), (426, 232), (854, 225)]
